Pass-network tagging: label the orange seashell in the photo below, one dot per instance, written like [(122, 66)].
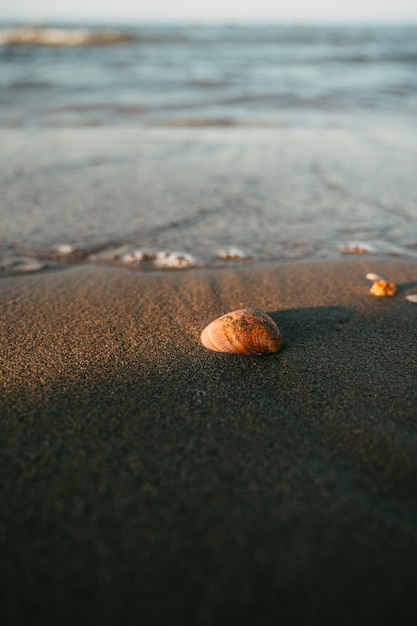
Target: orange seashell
[(246, 331), (383, 288)]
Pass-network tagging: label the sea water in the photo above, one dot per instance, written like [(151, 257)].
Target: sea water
[(181, 146)]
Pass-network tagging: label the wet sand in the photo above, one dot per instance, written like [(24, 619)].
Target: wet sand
[(146, 480)]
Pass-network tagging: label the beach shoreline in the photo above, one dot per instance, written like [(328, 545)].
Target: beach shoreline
[(147, 188), (267, 194), (147, 478)]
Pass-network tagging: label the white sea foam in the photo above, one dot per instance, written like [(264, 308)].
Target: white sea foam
[(131, 255), (63, 248), (174, 260), (136, 255), (234, 254)]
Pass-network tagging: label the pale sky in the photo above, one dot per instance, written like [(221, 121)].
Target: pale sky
[(210, 10)]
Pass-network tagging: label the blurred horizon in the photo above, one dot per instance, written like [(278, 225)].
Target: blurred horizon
[(226, 12), (73, 22)]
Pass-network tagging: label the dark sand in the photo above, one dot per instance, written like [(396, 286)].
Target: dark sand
[(146, 480)]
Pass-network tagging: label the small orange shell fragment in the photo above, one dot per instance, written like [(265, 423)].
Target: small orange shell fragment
[(246, 331), (383, 288)]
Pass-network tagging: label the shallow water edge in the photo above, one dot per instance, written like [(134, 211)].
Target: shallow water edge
[(164, 198)]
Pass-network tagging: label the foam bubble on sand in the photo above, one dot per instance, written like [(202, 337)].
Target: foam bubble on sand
[(125, 254), (136, 255), (174, 260), (234, 254), (132, 256), (63, 248)]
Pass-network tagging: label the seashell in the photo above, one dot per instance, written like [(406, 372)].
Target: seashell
[(246, 331), (412, 297), (374, 277), (383, 288)]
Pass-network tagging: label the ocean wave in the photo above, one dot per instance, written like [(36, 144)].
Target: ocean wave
[(62, 37)]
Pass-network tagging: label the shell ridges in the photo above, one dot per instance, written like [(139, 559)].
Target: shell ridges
[(245, 331)]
